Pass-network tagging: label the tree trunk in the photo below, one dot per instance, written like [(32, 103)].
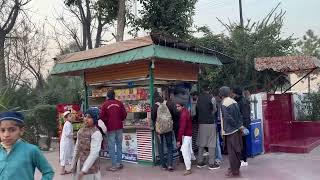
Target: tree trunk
[(88, 31), (3, 75), (84, 37), (88, 20), (99, 31), (121, 20)]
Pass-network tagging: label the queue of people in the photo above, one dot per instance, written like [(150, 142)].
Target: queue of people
[(226, 114)]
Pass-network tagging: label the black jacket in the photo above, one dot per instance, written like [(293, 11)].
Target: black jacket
[(204, 109), (245, 110), (231, 116)]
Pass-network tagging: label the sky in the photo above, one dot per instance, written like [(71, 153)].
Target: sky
[(301, 15)]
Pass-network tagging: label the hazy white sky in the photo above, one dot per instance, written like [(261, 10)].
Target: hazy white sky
[(301, 15)]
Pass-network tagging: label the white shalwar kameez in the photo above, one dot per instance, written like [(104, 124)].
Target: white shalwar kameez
[(66, 144), (187, 152)]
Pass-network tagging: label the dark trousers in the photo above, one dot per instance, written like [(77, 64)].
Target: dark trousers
[(244, 148), (234, 146), (166, 140)]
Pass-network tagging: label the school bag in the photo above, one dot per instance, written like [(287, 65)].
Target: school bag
[(164, 122)]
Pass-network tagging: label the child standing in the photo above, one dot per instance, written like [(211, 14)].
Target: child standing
[(185, 137), (66, 143), (85, 162), (18, 159)]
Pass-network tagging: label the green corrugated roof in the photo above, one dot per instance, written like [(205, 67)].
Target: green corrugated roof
[(151, 51)]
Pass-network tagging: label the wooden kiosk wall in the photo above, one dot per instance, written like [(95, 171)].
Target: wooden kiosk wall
[(155, 69)]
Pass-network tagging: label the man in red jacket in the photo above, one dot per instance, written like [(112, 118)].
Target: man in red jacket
[(185, 136), (113, 114)]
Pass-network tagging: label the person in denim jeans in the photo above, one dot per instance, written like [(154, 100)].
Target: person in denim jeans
[(115, 140), (113, 114), (165, 139), (218, 157)]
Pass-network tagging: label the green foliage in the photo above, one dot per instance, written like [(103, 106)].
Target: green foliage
[(32, 128), (62, 90), (309, 45), (41, 120), (170, 17), (257, 39), (107, 10), (6, 99), (308, 107)]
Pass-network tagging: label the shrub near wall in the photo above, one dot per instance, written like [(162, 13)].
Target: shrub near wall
[(308, 107), (41, 121)]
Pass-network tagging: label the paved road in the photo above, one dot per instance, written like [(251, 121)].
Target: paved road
[(273, 166)]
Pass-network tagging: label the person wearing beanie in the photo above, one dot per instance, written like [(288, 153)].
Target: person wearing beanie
[(185, 136), (85, 163), (245, 110), (113, 113), (206, 129), (66, 143), (19, 159), (231, 125)]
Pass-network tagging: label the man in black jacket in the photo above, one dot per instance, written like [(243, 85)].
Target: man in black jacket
[(231, 128), (207, 129), (245, 110)]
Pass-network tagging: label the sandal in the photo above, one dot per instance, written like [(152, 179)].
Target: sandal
[(187, 172), (65, 172)]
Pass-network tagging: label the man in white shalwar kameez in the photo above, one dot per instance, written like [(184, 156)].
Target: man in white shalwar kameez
[(66, 143)]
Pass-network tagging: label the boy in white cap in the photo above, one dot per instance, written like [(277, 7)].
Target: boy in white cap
[(66, 143), (19, 159)]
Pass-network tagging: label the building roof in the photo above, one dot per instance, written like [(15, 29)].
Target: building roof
[(287, 64), (157, 46), (106, 50)]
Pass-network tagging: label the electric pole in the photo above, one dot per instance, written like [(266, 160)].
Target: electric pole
[(241, 17)]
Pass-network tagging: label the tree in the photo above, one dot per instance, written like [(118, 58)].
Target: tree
[(171, 17), (29, 51), (255, 39), (58, 90), (121, 20), (93, 17), (9, 11), (309, 45)]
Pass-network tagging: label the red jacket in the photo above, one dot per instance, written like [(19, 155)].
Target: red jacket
[(185, 124), (113, 114)]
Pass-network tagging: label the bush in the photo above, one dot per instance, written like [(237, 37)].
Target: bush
[(32, 132), (308, 107), (41, 121)]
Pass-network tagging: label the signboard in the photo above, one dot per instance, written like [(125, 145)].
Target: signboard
[(129, 148)]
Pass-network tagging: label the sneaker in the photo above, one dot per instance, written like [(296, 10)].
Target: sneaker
[(214, 166), (201, 165), (164, 168), (170, 169), (244, 164), (113, 169), (206, 154), (187, 172), (120, 166)]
